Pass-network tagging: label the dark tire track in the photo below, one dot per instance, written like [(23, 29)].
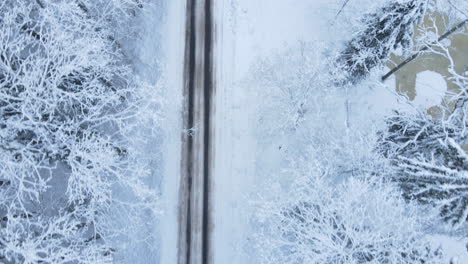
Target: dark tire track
[(209, 86)]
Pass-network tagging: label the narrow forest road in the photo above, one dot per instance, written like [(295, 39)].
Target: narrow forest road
[(194, 194)]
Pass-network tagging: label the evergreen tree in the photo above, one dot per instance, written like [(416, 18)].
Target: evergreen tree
[(430, 158), (387, 29)]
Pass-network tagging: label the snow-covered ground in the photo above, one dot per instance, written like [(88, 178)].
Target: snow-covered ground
[(158, 60), (146, 55), (430, 89), (454, 247), (174, 32), (251, 30), (248, 31)]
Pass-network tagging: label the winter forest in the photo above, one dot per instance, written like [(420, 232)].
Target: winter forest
[(233, 131)]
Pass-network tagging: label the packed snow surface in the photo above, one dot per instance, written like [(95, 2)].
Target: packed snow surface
[(430, 89)]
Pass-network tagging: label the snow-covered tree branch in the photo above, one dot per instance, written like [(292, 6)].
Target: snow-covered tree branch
[(359, 221), (430, 153), (66, 96), (334, 211), (389, 28)]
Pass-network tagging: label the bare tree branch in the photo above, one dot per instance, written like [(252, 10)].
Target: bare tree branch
[(412, 57)]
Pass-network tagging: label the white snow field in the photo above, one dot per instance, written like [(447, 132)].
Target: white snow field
[(454, 248), (247, 31), (148, 58), (430, 89), (173, 49), (158, 60)]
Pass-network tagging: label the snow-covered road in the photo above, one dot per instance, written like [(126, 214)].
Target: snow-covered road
[(194, 192)]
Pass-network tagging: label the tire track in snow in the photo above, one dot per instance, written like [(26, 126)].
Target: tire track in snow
[(194, 194)]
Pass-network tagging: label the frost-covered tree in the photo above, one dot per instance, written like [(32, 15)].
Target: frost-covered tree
[(431, 161), (387, 29), (358, 221), (322, 204), (289, 83), (430, 153), (301, 110), (65, 97)]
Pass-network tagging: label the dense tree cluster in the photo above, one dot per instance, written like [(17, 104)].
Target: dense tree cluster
[(65, 93), (430, 158), (337, 204), (358, 221), (431, 164), (331, 208), (429, 153)]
